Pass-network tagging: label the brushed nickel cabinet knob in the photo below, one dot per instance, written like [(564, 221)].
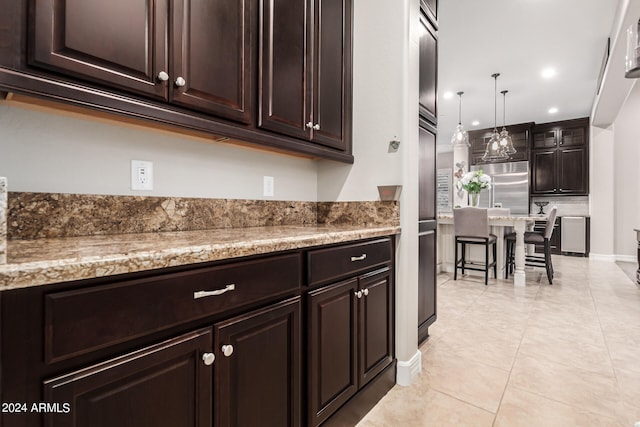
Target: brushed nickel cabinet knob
[(227, 350), (208, 358)]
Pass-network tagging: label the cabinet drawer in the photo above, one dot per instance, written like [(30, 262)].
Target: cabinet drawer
[(84, 320), (332, 263)]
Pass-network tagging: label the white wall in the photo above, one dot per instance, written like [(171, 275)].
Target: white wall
[(44, 150), (602, 193), (379, 39), (627, 176), (385, 108)]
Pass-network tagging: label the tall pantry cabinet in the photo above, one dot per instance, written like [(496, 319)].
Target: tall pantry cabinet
[(427, 167)]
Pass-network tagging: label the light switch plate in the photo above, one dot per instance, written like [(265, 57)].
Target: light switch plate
[(141, 175)]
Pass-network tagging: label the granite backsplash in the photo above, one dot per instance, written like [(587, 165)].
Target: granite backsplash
[(53, 215)]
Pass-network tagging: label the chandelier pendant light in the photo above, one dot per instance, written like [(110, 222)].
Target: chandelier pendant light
[(494, 152), (460, 136), (506, 143)]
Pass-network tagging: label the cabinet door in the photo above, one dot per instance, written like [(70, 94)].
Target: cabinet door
[(572, 136), (428, 71), (285, 71), (211, 48), (118, 43), (427, 175), (478, 141), (544, 139), (332, 364), (544, 172), (258, 383), (426, 282), (375, 332), (165, 385), (572, 171), (520, 141), (332, 73)]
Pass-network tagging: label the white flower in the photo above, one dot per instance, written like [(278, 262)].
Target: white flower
[(475, 181)]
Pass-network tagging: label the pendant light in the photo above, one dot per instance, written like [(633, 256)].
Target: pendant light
[(460, 136), (494, 151), (505, 140)]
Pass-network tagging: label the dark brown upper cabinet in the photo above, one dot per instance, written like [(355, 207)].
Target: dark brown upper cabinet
[(428, 80), (194, 54), (520, 135), (426, 174), (560, 158), (305, 70), (560, 134)]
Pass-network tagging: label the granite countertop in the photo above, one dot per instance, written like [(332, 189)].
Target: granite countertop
[(500, 217), (44, 261)]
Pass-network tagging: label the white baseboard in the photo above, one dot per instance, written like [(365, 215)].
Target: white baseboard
[(627, 258), (602, 257), (613, 257), (410, 370)]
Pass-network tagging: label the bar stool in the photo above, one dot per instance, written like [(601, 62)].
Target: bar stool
[(472, 228), (532, 238)]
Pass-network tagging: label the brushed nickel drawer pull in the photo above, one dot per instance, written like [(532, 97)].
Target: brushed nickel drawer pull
[(204, 294), (358, 258)]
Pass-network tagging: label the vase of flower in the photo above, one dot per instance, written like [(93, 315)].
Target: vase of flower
[(474, 182), (474, 199)]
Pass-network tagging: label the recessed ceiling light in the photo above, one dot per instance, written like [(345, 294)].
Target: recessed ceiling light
[(547, 73), (553, 110), (448, 95), (475, 123)]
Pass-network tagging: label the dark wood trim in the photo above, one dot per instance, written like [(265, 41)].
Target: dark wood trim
[(563, 124), (423, 329), (359, 405)]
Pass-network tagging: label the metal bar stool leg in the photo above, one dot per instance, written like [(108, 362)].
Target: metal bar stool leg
[(495, 260), (464, 255), (455, 262), (486, 264)]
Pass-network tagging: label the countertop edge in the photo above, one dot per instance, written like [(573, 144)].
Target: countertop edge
[(44, 272)]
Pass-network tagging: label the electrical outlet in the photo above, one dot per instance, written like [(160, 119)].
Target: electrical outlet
[(269, 186), (141, 175)]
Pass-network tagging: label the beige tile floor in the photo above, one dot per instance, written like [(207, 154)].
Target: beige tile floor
[(540, 355)]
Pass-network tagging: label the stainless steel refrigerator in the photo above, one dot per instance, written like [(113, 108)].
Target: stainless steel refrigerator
[(509, 186)]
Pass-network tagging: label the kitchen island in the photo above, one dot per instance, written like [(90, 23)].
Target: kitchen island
[(498, 224)]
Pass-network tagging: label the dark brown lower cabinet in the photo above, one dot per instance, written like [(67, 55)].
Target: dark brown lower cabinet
[(253, 370), (218, 344), (350, 339), (426, 282), (165, 385), (257, 371)]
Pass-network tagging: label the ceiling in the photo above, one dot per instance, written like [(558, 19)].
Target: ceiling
[(519, 39)]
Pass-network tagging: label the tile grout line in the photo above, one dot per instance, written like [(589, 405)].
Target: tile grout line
[(515, 357), (606, 343)]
